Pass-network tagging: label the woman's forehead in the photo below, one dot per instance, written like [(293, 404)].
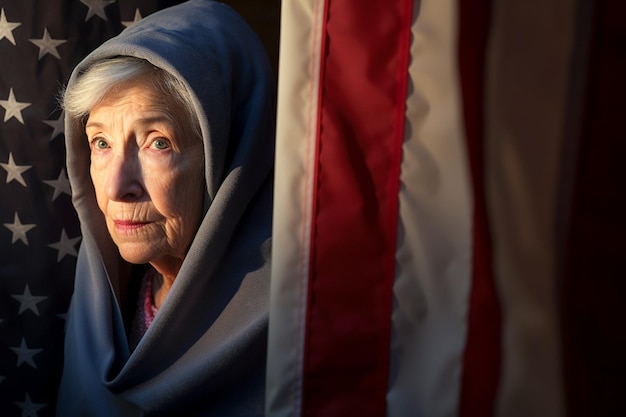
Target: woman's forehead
[(138, 93), (137, 101)]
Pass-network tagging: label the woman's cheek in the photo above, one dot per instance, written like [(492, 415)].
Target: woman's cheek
[(98, 180)]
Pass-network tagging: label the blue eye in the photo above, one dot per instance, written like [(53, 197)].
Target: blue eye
[(161, 144), (100, 143)]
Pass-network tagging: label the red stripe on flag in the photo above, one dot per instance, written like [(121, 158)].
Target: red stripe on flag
[(481, 363), (593, 284), (363, 86)]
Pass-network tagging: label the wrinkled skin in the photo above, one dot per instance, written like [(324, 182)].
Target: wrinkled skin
[(147, 175)]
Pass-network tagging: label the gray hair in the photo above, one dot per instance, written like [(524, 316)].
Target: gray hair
[(92, 86)]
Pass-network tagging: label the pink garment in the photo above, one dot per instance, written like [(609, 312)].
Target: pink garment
[(146, 310)]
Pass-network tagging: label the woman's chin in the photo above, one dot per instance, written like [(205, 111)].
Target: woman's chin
[(136, 253)]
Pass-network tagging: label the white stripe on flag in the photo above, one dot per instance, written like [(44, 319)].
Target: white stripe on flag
[(527, 97), (301, 22), (434, 256)]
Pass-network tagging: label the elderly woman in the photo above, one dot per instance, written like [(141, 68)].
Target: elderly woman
[(169, 131)]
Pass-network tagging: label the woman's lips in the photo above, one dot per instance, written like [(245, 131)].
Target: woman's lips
[(128, 225)]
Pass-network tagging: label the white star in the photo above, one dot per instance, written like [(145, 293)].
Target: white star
[(29, 408), (96, 7), (14, 172), (19, 230), (6, 28), (24, 354), (65, 246), (47, 45), (61, 185), (137, 18), (58, 125), (13, 108), (28, 301)]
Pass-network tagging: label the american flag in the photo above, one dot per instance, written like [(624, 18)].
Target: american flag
[(40, 43), (449, 209)]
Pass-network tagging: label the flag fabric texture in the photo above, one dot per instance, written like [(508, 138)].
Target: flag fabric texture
[(448, 225), (379, 240), (40, 42), (433, 203)]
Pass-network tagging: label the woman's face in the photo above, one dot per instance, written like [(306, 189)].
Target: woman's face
[(147, 175)]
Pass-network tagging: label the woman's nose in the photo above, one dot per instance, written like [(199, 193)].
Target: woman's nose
[(124, 180)]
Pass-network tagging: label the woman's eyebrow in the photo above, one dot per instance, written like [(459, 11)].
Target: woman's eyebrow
[(94, 124), (143, 121), (160, 118)]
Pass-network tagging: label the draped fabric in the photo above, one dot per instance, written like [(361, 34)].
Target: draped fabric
[(204, 353), (436, 220), (592, 222), (373, 255)]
